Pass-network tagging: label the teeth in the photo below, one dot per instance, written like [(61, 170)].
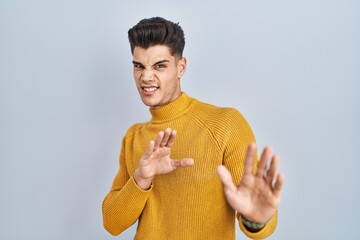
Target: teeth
[(150, 89)]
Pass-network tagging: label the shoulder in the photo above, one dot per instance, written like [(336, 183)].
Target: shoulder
[(224, 117), (133, 129), (224, 123)]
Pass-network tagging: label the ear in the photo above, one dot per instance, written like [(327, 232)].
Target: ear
[(181, 67)]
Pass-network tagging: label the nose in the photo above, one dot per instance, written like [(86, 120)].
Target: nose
[(147, 75)]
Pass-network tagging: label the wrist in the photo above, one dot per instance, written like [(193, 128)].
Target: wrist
[(143, 183), (252, 226)]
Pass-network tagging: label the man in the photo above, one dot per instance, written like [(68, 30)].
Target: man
[(191, 188)]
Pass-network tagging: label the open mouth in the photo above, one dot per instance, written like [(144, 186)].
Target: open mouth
[(149, 90)]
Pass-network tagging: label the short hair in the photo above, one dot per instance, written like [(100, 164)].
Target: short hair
[(157, 31)]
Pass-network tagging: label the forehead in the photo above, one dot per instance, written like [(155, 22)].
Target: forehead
[(152, 54)]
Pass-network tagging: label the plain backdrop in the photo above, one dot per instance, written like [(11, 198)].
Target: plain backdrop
[(67, 97)]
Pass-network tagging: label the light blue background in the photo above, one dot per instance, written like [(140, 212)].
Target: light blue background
[(67, 97)]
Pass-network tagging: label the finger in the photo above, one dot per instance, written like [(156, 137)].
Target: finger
[(278, 184), (249, 158), (185, 162), (149, 150), (158, 140), (226, 179), (272, 170), (265, 156), (171, 139), (167, 134)]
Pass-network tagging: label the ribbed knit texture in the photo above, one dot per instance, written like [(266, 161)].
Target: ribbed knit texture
[(187, 203)]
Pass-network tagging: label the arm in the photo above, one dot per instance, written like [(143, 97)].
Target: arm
[(127, 198), (248, 185), (257, 196), (125, 202)]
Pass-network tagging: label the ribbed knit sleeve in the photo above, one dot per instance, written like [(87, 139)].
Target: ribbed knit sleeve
[(264, 232), (237, 135), (125, 202)]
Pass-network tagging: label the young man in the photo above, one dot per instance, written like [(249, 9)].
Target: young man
[(194, 187)]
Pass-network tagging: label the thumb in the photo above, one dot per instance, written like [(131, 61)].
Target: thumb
[(184, 162), (225, 177)]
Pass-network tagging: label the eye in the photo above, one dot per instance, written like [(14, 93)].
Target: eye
[(138, 66), (160, 66)]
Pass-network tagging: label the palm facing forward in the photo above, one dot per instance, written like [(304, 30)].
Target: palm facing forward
[(156, 159), (257, 197)]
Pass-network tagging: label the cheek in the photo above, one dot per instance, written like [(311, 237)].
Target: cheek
[(136, 76)]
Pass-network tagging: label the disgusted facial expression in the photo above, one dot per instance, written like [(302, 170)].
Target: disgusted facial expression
[(157, 75)]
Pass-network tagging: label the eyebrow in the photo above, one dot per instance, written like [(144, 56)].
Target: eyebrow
[(134, 62), (162, 61)]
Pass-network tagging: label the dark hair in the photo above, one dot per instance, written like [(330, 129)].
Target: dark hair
[(157, 31)]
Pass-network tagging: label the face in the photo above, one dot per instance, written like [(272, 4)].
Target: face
[(157, 75)]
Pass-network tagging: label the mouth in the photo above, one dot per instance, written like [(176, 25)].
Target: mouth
[(150, 90)]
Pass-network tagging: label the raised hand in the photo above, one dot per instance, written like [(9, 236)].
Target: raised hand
[(156, 159), (257, 197)]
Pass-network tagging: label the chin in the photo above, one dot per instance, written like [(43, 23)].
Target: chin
[(150, 104)]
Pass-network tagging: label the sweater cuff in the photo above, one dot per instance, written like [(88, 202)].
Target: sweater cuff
[(132, 179), (265, 232)]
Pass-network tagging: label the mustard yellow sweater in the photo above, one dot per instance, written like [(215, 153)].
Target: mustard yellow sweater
[(187, 204)]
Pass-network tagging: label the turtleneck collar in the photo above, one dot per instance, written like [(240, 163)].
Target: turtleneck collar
[(171, 110)]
